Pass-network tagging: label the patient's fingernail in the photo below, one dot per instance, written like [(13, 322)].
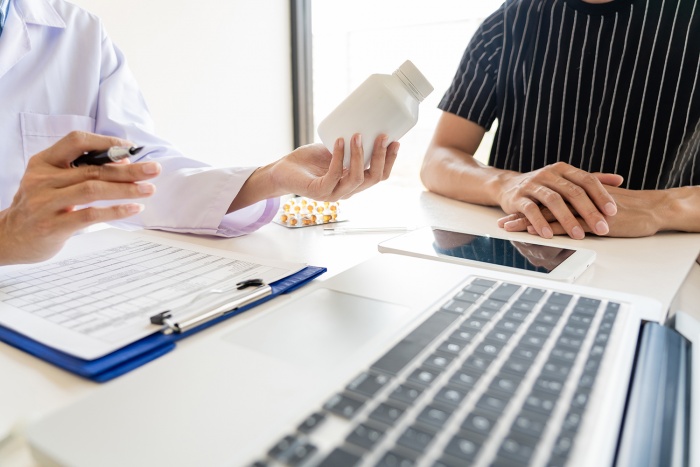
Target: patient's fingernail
[(601, 228), (610, 209), (547, 232), (578, 233)]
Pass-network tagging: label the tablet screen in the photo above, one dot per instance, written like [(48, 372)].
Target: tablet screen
[(519, 255)]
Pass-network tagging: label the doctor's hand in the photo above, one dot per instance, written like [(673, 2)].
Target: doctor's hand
[(313, 172), (46, 211)]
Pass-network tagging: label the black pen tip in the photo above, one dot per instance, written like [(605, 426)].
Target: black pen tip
[(135, 149)]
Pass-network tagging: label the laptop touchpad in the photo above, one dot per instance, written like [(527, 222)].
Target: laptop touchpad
[(322, 328)]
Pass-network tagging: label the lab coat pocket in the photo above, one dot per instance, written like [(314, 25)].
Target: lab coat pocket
[(40, 131)]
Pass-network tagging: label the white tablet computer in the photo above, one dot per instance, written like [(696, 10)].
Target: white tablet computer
[(533, 259)]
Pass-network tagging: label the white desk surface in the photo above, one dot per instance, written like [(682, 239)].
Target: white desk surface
[(662, 266)]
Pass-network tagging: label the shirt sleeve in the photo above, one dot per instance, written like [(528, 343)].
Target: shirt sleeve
[(190, 197), (472, 94)]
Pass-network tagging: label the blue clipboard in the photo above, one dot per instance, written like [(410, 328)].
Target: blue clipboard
[(144, 350)]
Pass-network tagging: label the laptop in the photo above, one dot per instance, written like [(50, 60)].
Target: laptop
[(402, 361)]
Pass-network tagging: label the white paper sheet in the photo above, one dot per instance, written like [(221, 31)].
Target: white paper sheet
[(99, 293)]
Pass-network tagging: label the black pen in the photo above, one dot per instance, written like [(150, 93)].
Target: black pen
[(113, 154)]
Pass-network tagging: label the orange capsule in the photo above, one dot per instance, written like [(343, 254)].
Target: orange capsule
[(284, 218), (293, 221)]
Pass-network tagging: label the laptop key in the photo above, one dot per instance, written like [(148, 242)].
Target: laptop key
[(508, 325), (516, 366), (480, 422), (291, 451), (343, 405), (463, 336), (540, 401), (311, 422), (465, 378), (501, 461), (423, 376), (451, 395), (387, 414), (529, 423), (518, 446), (493, 401), (416, 438), (532, 295), (465, 447), (457, 306), (559, 298), (365, 436), (490, 348), (300, 454), (523, 305), (448, 461), (438, 361), (563, 444), (469, 297), (394, 459), (406, 394), (281, 450), (478, 363), (434, 415), (340, 457), (504, 292), (368, 384), (506, 383), (552, 386), (572, 421)]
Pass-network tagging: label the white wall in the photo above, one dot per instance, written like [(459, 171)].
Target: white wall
[(216, 73)]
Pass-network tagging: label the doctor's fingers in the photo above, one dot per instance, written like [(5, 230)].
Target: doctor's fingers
[(90, 191), (81, 218), (354, 176), (75, 144), (123, 173), (383, 158)]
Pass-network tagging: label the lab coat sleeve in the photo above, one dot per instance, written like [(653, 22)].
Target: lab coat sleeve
[(190, 197)]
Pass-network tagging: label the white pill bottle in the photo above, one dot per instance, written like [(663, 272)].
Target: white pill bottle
[(382, 104)]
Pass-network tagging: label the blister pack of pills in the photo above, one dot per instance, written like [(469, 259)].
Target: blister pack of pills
[(300, 211)]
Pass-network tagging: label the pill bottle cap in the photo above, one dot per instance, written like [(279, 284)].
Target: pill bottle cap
[(414, 80)]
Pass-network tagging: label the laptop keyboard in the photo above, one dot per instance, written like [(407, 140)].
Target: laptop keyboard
[(499, 375)]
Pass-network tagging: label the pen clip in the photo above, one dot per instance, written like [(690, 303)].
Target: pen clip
[(222, 308)]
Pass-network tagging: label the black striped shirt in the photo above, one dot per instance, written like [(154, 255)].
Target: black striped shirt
[(608, 87)]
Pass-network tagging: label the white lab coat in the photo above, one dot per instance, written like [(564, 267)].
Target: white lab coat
[(60, 72)]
